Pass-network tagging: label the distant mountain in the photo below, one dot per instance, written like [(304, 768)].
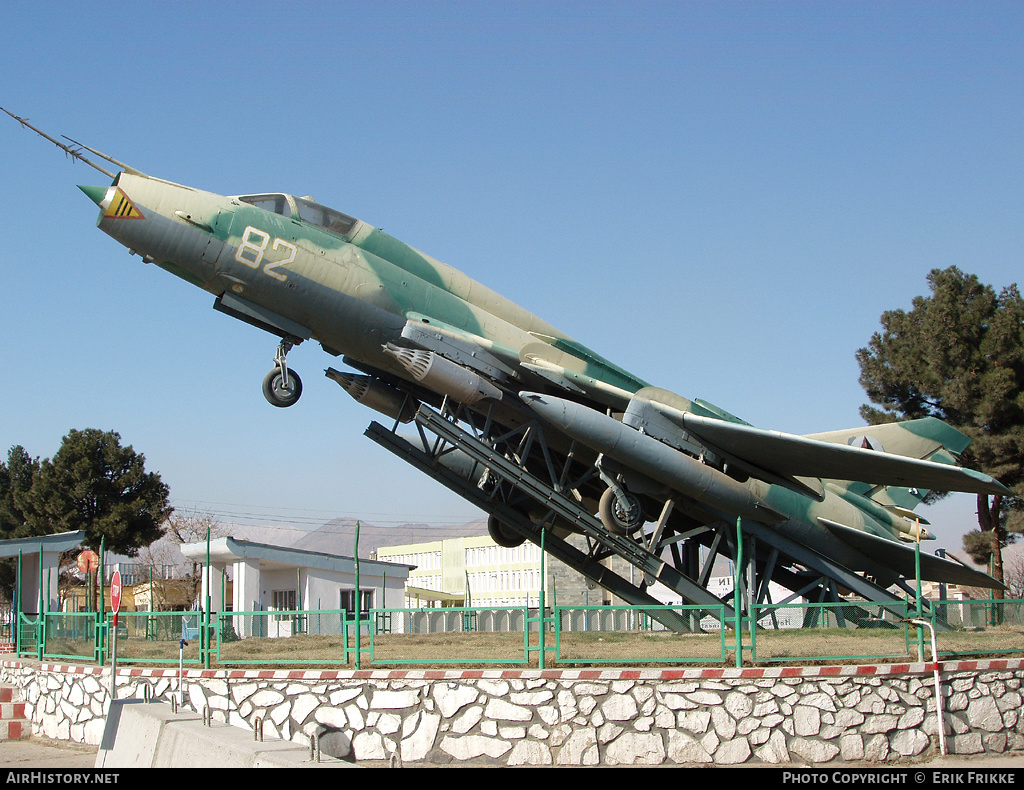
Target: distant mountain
[(338, 536), (334, 537), (274, 535)]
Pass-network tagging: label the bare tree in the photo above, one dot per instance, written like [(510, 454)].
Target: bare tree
[(1013, 569), (181, 528)]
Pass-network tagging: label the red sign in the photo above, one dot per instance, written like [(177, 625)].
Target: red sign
[(88, 561), (115, 592)]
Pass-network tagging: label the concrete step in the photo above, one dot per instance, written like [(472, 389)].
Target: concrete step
[(13, 724), (141, 734)]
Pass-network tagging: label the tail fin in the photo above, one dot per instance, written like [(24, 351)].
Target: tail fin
[(926, 439)]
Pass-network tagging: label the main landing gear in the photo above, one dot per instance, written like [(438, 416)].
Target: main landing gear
[(281, 386), (503, 535), (620, 511)]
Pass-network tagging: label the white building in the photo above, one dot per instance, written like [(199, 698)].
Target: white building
[(257, 579), (38, 559), (475, 571)]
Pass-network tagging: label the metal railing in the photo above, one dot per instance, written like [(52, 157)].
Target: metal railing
[(7, 623), (865, 631), (561, 636), (634, 634)]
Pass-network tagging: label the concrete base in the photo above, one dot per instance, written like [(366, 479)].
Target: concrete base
[(141, 734)]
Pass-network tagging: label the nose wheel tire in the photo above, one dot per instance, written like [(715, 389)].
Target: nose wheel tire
[(282, 387)]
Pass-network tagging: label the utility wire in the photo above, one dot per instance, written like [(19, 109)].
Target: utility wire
[(298, 517)]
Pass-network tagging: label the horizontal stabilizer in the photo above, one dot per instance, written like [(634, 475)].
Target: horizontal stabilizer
[(921, 438), (901, 558)]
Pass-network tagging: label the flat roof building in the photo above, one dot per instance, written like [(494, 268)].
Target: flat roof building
[(475, 571), (468, 571), (269, 578)]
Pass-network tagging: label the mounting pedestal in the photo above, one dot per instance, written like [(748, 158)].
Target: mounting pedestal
[(509, 473)]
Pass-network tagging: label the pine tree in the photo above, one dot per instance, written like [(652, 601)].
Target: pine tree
[(94, 484), (17, 477), (959, 355)]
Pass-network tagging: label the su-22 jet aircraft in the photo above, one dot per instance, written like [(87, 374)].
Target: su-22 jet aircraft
[(419, 330)]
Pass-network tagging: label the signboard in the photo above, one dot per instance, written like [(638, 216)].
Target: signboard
[(115, 592), (115, 604), (88, 561)]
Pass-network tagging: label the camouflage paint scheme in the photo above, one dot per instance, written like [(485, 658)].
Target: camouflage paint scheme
[(352, 291), (303, 271)]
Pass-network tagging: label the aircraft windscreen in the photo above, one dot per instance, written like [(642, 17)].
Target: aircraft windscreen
[(275, 203), (328, 218)]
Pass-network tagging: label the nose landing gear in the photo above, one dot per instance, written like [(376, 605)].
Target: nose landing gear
[(281, 386)]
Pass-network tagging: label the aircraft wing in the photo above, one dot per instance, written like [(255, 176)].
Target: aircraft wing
[(788, 455), (773, 455), (902, 558)]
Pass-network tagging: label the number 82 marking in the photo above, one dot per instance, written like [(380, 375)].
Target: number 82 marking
[(251, 252)]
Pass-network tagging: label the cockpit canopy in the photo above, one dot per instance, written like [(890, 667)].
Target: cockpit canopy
[(303, 208)]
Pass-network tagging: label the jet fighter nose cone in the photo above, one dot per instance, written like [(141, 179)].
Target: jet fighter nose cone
[(96, 194)]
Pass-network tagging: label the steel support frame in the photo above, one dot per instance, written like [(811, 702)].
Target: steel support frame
[(506, 478), (499, 484)]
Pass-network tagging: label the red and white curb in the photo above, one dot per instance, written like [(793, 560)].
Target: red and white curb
[(655, 675), (12, 716)]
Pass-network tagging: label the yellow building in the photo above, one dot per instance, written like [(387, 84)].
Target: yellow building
[(160, 595), (468, 571)]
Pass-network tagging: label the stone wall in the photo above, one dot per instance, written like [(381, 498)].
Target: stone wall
[(813, 715)]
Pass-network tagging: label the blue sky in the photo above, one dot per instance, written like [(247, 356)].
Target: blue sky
[(722, 197)]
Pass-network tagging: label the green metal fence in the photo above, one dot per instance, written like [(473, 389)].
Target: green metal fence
[(455, 635), (520, 636), (70, 635), (158, 637), (979, 628), (28, 635), (875, 631), (607, 634), (838, 632), (318, 637)]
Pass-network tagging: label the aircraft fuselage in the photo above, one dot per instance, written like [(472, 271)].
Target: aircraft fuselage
[(330, 283)]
